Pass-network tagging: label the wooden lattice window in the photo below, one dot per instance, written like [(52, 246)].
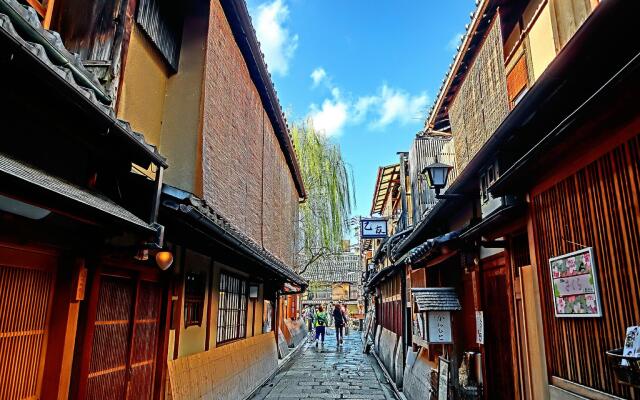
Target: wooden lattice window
[(24, 314), (232, 308), (194, 293)]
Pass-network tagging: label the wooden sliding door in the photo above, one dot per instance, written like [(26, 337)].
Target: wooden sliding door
[(26, 288), (121, 350)]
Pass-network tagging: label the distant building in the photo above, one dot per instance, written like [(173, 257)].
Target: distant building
[(335, 279)]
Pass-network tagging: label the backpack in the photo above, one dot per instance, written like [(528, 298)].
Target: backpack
[(321, 318)]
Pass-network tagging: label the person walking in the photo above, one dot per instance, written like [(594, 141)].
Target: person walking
[(320, 321), (339, 320), (308, 315)]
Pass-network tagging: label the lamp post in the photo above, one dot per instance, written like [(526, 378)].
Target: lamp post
[(438, 174)]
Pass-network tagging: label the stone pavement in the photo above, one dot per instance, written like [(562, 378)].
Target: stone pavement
[(331, 372)]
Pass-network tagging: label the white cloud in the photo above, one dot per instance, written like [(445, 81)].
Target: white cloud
[(389, 106), (396, 105), (318, 75), (455, 41), (276, 42), (362, 106), (331, 117)]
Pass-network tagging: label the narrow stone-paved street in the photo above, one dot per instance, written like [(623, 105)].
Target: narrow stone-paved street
[(329, 372)]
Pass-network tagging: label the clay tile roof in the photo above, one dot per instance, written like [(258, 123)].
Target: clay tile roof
[(22, 26)]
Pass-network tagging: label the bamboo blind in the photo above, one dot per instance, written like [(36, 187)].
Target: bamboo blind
[(597, 207), (24, 307), (481, 103)]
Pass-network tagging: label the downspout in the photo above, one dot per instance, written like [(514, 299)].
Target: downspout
[(403, 300), (403, 189)]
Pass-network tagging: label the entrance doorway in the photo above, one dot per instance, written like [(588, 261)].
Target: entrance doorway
[(122, 342), (499, 329)]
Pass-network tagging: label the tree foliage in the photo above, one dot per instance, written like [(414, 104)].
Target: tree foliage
[(325, 213)]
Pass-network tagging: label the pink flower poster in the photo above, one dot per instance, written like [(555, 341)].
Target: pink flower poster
[(575, 285)]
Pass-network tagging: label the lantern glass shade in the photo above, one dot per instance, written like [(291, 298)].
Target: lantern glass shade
[(164, 259), (438, 174)]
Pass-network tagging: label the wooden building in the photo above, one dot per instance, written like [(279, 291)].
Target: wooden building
[(335, 279), (88, 214), (545, 160)]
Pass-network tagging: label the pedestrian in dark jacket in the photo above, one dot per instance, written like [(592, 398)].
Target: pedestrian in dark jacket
[(339, 320)]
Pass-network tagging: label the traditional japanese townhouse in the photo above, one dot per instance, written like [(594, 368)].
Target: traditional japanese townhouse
[(83, 191), (335, 279), (231, 214), (525, 139), (385, 283), (79, 193)]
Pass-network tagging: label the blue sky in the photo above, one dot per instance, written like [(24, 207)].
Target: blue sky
[(365, 71)]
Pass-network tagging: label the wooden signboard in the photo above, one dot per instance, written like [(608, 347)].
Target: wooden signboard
[(575, 285), (443, 379), (439, 327), (479, 327)]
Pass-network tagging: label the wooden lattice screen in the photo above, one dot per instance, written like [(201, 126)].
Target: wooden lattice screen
[(481, 103), (124, 347), (596, 207), (25, 295)]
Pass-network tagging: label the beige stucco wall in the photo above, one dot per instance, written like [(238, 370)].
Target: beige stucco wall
[(180, 134), (227, 372), (142, 95), (541, 43), (192, 339)]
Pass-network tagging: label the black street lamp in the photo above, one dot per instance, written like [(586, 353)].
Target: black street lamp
[(438, 174)]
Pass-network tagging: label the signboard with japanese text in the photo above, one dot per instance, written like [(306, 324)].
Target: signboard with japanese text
[(575, 285), (479, 327), (373, 228), (443, 379), (439, 323)]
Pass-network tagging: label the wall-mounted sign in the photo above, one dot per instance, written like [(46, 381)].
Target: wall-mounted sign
[(373, 228), (439, 327), (575, 285), (443, 379), (479, 327)]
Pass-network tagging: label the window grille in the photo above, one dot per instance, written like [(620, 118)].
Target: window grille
[(194, 290), (232, 309)]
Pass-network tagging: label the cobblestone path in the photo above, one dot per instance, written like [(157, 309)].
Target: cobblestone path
[(329, 373)]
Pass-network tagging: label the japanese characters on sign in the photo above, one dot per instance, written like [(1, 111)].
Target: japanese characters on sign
[(373, 228), (575, 285), (479, 327), (439, 327)]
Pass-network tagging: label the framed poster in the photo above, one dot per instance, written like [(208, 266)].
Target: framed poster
[(575, 285), (443, 379), (439, 323)]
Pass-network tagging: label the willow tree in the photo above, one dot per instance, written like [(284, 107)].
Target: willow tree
[(325, 214)]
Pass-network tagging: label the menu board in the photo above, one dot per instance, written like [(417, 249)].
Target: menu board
[(443, 379), (575, 285)]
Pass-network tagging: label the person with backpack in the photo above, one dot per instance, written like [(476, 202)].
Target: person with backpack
[(321, 320), (340, 320)]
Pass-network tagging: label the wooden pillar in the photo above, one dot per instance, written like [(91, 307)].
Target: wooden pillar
[(69, 291)]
